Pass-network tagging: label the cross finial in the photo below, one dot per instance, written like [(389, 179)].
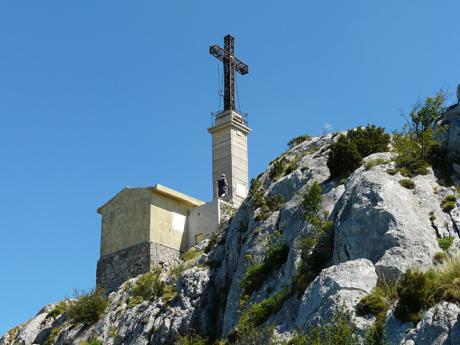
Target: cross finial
[(231, 64)]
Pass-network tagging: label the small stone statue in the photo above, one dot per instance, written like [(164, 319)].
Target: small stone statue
[(458, 93)]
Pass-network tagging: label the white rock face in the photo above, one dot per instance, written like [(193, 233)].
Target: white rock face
[(380, 220), (335, 288), (440, 326)]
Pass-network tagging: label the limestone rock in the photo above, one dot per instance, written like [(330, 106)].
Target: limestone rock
[(440, 326), (378, 219), (450, 139), (337, 287)]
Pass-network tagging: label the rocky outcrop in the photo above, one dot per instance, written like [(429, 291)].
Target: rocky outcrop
[(378, 219), (440, 325), (336, 288), (380, 230)]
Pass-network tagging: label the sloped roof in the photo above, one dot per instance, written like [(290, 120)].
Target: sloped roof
[(160, 189)]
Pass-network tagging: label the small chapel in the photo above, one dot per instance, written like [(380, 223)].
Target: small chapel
[(149, 226)]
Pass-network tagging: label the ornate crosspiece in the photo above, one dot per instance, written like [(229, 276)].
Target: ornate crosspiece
[(231, 64)]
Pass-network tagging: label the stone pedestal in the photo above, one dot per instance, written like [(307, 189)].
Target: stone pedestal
[(230, 154)]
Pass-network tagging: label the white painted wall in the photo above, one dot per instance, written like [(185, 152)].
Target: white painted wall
[(203, 219)]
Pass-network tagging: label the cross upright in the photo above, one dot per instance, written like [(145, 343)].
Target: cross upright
[(231, 64)]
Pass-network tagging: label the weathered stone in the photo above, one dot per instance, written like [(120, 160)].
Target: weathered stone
[(440, 326), (334, 289), (116, 268), (378, 219)]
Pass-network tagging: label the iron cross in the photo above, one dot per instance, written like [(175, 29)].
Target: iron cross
[(231, 64)]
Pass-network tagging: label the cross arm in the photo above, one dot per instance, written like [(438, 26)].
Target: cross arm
[(221, 54)]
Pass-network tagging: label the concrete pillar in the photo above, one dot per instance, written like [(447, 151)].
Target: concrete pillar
[(230, 154)]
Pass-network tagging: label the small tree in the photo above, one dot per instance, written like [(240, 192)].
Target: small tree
[(344, 158)]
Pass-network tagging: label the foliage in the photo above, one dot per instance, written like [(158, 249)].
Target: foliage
[(257, 273), (346, 155), (415, 295), (58, 309), (277, 169), (258, 313), (270, 204), (192, 254), (312, 200), (344, 158), (316, 246), (407, 183), (440, 258), (374, 162), (448, 203), (377, 303), (52, 337), (297, 140), (416, 146), (445, 242), (92, 341), (292, 165), (447, 277), (148, 287), (88, 307), (191, 340), (340, 331), (369, 139), (248, 335)]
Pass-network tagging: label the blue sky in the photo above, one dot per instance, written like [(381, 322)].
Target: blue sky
[(98, 95)]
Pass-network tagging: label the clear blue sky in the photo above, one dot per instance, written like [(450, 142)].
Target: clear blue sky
[(98, 95)]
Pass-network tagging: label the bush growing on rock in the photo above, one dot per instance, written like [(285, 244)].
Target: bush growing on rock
[(415, 292), (407, 183), (88, 307), (346, 155), (256, 274), (445, 242), (148, 287), (449, 203), (191, 340), (297, 140), (340, 331), (416, 146)]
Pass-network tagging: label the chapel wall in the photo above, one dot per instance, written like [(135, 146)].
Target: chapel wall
[(125, 221)]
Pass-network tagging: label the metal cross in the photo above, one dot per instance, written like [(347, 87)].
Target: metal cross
[(231, 64)]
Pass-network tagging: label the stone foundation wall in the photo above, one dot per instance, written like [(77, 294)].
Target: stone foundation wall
[(114, 269)]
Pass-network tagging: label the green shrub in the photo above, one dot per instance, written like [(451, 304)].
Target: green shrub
[(449, 203), (192, 254), (439, 258), (316, 247), (415, 291), (416, 146), (88, 307), (292, 165), (392, 171), (278, 168), (270, 204), (445, 242), (257, 273), (92, 341), (346, 155), (58, 309), (447, 277), (340, 331), (374, 162), (191, 340), (370, 139), (344, 158), (258, 313), (52, 337), (148, 287), (377, 303), (297, 140), (407, 183)]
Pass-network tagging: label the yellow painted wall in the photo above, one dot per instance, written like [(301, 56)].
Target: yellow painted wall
[(168, 221), (125, 220)]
